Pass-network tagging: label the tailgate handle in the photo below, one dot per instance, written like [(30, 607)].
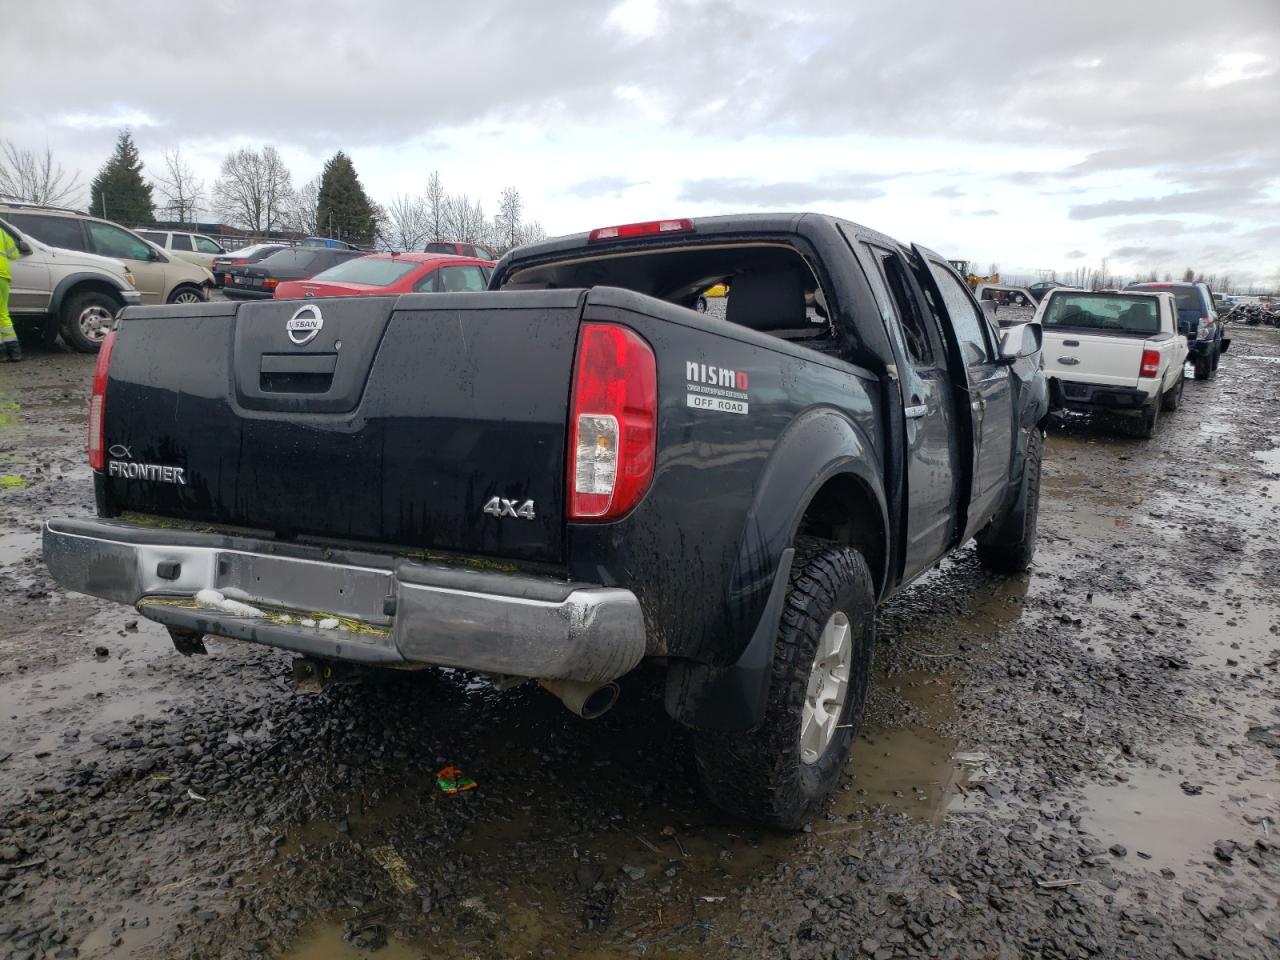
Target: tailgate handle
[(297, 372), (299, 363)]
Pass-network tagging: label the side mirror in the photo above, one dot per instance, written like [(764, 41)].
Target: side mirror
[(1020, 342), (989, 307), (24, 248), (156, 255)]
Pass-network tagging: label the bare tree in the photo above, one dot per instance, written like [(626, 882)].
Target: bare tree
[(254, 189), (506, 232), (304, 208), (34, 178), (464, 221), (182, 191), (532, 232), (436, 202), (404, 222)]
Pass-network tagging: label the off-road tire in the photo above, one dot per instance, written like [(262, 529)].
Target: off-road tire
[(1217, 356), (1173, 396), (74, 306), (758, 775), (1007, 543)]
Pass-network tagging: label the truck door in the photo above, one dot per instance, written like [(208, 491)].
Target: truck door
[(990, 394), (932, 468)]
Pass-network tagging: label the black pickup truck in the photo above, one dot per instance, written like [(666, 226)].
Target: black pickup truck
[(575, 471)]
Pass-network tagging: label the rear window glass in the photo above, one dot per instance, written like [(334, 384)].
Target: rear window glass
[(63, 232), (440, 247), (1115, 313), (375, 271), (1188, 298)]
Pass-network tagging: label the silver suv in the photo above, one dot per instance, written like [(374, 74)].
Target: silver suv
[(159, 277), (66, 291)]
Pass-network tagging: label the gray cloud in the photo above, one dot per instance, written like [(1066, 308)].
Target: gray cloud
[(1144, 229), (988, 212), (606, 186), (1076, 254), (1145, 254), (1188, 201), (948, 193), (752, 193)]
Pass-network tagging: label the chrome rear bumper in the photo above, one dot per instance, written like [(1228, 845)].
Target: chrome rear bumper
[(388, 610)]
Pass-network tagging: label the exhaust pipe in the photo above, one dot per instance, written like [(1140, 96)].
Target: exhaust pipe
[(585, 700)]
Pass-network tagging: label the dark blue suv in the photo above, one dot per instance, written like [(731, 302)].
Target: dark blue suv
[(1199, 321)]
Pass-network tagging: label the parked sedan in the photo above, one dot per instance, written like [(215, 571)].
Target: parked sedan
[(243, 257), (392, 273), (258, 281)]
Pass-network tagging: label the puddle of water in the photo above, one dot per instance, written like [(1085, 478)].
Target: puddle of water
[(1151, 814), (909, 769), (326, 942)]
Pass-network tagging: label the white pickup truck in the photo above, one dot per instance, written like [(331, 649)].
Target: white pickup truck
[(1115, 352)]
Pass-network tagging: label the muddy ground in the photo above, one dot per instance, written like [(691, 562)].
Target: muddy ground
[(1081, 761)]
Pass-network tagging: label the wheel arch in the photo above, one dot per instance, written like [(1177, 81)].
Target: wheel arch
[(76, 283), (823, 479)]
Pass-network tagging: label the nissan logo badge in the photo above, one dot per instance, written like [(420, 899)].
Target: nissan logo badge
[(304, 324)]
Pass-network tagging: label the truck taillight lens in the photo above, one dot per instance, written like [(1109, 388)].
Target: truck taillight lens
[(1150, 364), (98, 401), (614, 425), (1203, 329)]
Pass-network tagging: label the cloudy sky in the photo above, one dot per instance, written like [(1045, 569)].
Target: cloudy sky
[(1034, 135)]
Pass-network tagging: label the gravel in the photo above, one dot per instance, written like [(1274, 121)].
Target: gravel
[(1077, 762)]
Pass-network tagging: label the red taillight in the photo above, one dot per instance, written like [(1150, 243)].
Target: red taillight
[(1150, 364), (238, 262), (614, 425), (98, 401), (270, 283), (648, 228)]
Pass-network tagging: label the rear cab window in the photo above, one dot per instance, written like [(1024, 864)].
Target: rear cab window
[(1122, 314), (771, 286)]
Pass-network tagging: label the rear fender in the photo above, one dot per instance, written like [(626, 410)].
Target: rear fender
[(819, 446)]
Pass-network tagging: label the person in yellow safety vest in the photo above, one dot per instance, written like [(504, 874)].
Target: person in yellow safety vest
[(8, 338)]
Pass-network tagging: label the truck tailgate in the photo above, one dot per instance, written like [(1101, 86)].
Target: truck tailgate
[(394, 424), (1105, 359)]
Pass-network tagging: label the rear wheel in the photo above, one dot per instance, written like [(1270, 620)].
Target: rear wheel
[(1008, 543), (781, 772), (1173, 396), (702, 304), (86, 318)]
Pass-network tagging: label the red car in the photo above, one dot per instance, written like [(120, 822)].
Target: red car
[(380, 274)]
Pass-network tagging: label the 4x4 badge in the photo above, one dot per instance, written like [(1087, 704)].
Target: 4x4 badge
[(304, 324), (499, 507)]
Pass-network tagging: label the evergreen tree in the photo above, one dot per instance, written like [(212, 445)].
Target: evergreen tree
[(345, 211), (118, 192)]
